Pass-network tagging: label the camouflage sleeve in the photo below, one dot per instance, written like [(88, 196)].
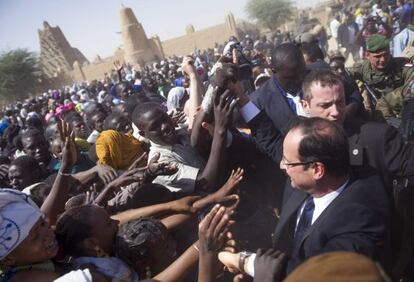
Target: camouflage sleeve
[(408, 76), (408, 73), (394, 99), (357, 71)]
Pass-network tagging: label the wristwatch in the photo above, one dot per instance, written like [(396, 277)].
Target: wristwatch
[(242, 259)]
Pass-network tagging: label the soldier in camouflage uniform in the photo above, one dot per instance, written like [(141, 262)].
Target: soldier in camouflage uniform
[(389, 78)]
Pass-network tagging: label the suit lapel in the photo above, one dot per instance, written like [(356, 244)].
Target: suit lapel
[(325, 213), (280, 103), (290, 209)]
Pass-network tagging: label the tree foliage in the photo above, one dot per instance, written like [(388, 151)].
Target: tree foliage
[(19, 73), (270, 13)]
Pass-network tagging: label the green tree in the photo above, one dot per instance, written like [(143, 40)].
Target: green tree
[(270, 13), (19, 74)]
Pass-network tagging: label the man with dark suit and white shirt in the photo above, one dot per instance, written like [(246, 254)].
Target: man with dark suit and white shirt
[(327, 206), (373, 145)]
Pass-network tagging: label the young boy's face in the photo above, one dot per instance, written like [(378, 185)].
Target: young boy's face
[(158, 126), (122, 124)]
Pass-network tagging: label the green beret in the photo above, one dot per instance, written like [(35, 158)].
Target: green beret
[(377, 43)]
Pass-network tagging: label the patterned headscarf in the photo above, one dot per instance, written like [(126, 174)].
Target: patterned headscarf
[(18, 214)]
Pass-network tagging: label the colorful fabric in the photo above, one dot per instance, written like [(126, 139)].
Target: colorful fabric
[(117, 150), (83, 145)]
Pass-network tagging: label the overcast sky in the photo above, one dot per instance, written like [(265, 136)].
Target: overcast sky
[(92, 26)]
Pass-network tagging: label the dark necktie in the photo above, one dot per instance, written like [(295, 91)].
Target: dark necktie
[(291, 104), (305, 222)]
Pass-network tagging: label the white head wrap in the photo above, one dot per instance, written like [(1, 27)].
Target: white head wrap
[(227, 49), (174, 97), (18, 214), (84, 95), (101, 96)]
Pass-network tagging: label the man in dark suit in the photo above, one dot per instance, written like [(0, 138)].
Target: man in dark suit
[(373, 145), (279, 97), (327, 207)]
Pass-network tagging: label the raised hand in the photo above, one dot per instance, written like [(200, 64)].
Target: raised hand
[(269, 265), (118, 66), (222, 195), (70, 153), (212, 230), (155, 168), (106, 173), (129, 176), (188, 66), (135, 173), (178, 117), (223, 111), (235, 177)]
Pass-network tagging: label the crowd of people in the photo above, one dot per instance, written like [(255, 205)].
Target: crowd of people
[(264, 159)]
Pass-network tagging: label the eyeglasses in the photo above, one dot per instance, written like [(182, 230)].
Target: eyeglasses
[(287, 164)]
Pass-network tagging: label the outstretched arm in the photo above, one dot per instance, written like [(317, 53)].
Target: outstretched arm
[(267, 137), (55, 201), (196, 89), (212, 234), (223, 112), (183, 205)]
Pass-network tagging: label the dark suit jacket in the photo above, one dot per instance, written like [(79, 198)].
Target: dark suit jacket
[(275, 105), (383, 149), (268, 139), (357, 220), (373, 145)]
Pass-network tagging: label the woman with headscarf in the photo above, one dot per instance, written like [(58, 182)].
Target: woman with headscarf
[(176, 98), (27, 241)]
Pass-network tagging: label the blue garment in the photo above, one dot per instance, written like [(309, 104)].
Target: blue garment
[(400, 41), (137, 88), (291, 103), (3, 126), (406, 13), (305, 222)]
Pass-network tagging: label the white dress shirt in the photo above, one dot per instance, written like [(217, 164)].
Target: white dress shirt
[(321, 203), (250, 110)]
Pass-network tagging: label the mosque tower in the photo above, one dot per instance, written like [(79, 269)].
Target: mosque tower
[(56, 54), (138, 49)]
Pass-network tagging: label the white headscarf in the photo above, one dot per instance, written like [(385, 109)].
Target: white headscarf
[(174, 97), (18, 214)]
